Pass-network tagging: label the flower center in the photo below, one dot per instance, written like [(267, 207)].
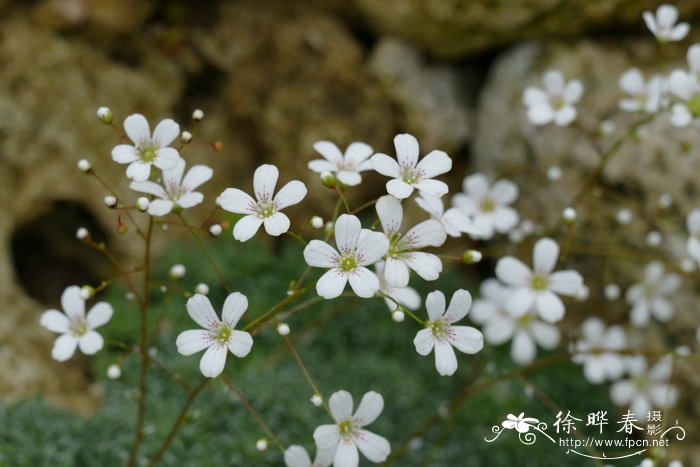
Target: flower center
[(558, 102), (347, 262), (221, 334), (266, 208), (394, 245), (539, 282), (80, 328), (410, 175), (148, 153), (347, 429), (639, 382), (694, 105), (487, 205), (439, 329), (524, 321)]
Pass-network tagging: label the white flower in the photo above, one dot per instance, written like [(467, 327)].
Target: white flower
[(346, 168), (454, 221), (645, 389), (267, 208), (147, 150), (644, 96), (348, 435), (664, 26), (521, 423), (686, 86), (76, 328), (555, 103), (218, 336), (296, 456), (357, 248), (441, 335), (402, 253), (693, 224), (177, 192), (538, 289), (598, 348), (488, 205), (409, 174), (405, 296), (650, 297)]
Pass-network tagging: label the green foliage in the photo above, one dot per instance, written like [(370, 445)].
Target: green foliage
[(347, 344)]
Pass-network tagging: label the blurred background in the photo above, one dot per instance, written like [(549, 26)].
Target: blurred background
[(273, 77)]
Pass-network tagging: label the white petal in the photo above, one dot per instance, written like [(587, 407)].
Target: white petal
[(321, 165), (160, 207), (639, 316), (396, 273), (622, 392), (680, 115), (693, 220), (662, 309), (346, 455), (504, 192), (553, 82), (390, 214), (693, 247), (663, 395), (385, 165), (431, 204), (347, 232), (246, 227), (407, 150), (165, 133), (540, 114), (504, 219), (73, 305), (64, 347), (149, 187), (427, 233), (459, 306), (264, 182), (565, 282), (320, 254), (679, 32), (650, 21), (372, 446), (498, 331), (276, 224), (189, 200), (290, 194), (433, 164), (99, 315), (534, 96), (466, 339), (331, 284), (326, 437), (549, 307), (173, 177), (340, 404), (445, 358), (166, 159), (432, 187), (435, 305), (125, 154), (91, 343), (545, 255), (296, 456), (520, 302), (546, 335), (513, 272), (235, 305), (682, 84), (573, 91), (476, 185), (666, 16), (197, 176), (426, 265), (632, 81), (200, 310), (669, 284), (349, 178), (523, 350), (407, 297), (693, 57), (364, 282), (213, 361), (137, 129), (240, 343), (399, 189), (138, 171), (55, 321), (193, 341), (357, 153), (424, 341), (237, 201), (565, 115), (370, 407), (330, 152), (371, 247)]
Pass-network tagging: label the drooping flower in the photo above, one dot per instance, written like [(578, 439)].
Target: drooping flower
[(147, 150), (77, 329), (357, 248), (488, 205), (693, 224), (663, 24), (650, 297), (347, 435), (218, 336), (346, 167), (405, 296), (408, 173), (555, 103), (402, 253), (441, 335), (265, 209), (538, 289), (176, 192), (296, 456), (646, 96), (521, 423), (597, 351), (454, 221), (646, 388)]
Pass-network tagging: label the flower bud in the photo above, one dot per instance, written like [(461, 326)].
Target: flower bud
[(317, 400), (329, 180), (110, 201), (471, 256), (177, 272), (82, 233), (215, 230), (197, 115), (186, 137), (142, 204), (86, 292), (84, 165), (122, 228), (283, 329), (624, 216), (554, 173), (261, 445), (398, 315), (317, 222), (569, 215), (665, 200), (105, 115), (113, 371), (202, 288), (612, 292), (654, 238)]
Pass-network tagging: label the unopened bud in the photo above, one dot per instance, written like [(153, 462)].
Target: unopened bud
[(328, 179), (665, 200), (283, 329), (197, 115), (86, 292), (113, 371), (202, 288), (84, 165), (398, 315), (82, 233), (261, 445), (317, 400), (472, 256), (654, 238), (612, 291), (186, 137), (122, 228), (105, 115), (177, 271), (215, 230), (554, 173), (142, 204), (624, 216), (569, 215), (317, 222), (110, 201)]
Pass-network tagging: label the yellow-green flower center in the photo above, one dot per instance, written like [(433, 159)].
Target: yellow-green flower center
[(80, 328), (409, 175), (558, 102), (640, 382), (694, 105), (266, 208), (347, 429), (148, 153), (347, 262), (539, 282), (222, 333), (487, 205), (439, 328), (394, 245), (524, 321)]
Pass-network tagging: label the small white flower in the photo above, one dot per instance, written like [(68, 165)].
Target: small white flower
[(538, 289), (598, 351), (147, 150), (177, 192), (441, 335), (645, 389), (76, 328), (265, 209), (406, 296), (663, 24), (693, 224), (686, 87), (650, 297), (296, 456), (357, 248), (454, 221), (218, 336), (316, 400), (654, 239), (555, 103), (623, 216), (408, 173), (403, 253), (177, 271), (612, 291), (84, 165), (346, 167), (644, 96), (261, 444), (521, 424), (348, 435), (488, 205)]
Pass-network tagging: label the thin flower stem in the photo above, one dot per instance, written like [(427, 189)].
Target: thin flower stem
[(296, 236), (364, 206), (205, 250), (269, 314), (114, 193), (251, 410), (171, 374), (102, 248), (345, 201), (178, 421), (304, 370)]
